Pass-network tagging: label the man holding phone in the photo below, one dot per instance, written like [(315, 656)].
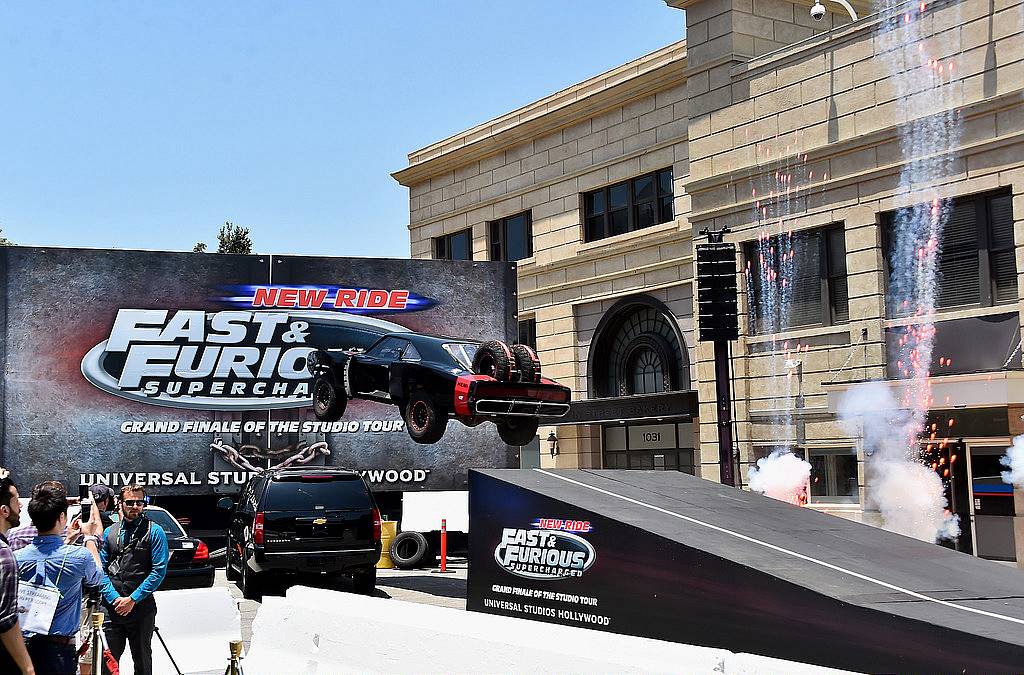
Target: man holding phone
[(51, 573), (135, 559)]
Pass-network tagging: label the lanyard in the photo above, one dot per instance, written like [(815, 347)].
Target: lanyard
[(56, 582)]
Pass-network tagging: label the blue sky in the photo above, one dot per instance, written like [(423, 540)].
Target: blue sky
[(148, 124)]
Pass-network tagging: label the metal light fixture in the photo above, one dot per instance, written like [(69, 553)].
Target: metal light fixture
[(553, 444)]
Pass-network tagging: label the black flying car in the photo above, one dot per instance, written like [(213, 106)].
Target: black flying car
[(432, 379)]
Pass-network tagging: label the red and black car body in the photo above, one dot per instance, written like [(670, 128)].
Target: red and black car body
[(431, 379)]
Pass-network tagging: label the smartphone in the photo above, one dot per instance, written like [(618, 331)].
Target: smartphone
[(85, 500)]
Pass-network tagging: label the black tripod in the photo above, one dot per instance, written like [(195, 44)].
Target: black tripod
[(156, 629)]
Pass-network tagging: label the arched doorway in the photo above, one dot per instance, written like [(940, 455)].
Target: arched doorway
[(639, 351)]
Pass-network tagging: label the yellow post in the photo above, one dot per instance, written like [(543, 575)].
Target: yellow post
[(235, 662), (96, 657), (388, 530)]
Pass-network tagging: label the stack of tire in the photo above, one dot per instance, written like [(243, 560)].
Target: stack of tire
[(505, 363), (516, 363)]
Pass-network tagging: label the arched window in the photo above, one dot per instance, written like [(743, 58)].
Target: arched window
[(637, 349)]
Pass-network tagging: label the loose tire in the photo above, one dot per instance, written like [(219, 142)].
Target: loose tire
[(328, 403), (527, 363), (409, 550), (364, 580), (494, 358), (252, 583), (424, 419), (518, 431)]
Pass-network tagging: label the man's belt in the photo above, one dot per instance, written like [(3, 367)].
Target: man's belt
[(57, 639)]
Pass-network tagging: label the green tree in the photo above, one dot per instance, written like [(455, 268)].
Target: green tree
[(4, 241), (234, 239), (200, 247)]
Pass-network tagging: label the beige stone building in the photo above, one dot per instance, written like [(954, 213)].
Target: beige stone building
[(795, 135)]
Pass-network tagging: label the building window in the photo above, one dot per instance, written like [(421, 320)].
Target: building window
[(455, 246), (637, 350), (833, 475), (647, 372), (528, 333), (975, 266), (797, 279), (511, 238), (657, 447), (627, 206)]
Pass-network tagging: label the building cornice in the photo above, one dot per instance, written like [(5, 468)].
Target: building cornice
[(877, 138), (641, 77)]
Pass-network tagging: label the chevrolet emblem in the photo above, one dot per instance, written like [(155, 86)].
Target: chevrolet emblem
[(320, 521)]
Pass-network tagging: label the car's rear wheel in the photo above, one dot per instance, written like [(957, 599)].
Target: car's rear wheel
[(328, 403), (252, 583), (364, 580), (494, 359), (527, 363), (424, 419), (409, 550), (518, 431)]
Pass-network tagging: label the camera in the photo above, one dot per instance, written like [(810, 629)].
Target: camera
[(85, 499), (818, 11)]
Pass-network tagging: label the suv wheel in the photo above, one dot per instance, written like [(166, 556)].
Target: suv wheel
[(424, 419), (364, 580), (229, 553), (328, 403), (252, 583)]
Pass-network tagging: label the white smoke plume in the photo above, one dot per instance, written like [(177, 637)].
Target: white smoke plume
[(1014, 460), (781, 475), (909, 495)]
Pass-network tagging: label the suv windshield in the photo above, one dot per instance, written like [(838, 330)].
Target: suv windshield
[(316, 492), (463, 352), (166, 521)]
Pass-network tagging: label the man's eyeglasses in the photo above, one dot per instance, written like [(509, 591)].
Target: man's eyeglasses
[(134, 502)]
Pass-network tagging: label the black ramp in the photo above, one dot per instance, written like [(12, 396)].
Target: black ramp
[(666, 555)]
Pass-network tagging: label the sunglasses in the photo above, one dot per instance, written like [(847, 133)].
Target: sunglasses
[(134, 502)]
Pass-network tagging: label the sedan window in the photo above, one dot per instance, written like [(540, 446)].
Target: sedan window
[(388, 348), (411, 353)]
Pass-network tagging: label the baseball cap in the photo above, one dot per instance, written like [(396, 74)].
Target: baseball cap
[(100, 492)]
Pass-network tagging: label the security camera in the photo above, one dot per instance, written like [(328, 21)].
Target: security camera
[(818, 11)]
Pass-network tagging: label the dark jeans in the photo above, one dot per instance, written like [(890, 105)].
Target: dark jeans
[(51, 658), (136, 630), (7, 663)]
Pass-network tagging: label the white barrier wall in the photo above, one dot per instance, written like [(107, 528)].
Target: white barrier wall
[(319, 631), (197, 625)]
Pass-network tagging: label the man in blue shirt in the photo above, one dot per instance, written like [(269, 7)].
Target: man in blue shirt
[(51, 573), (134, 555)]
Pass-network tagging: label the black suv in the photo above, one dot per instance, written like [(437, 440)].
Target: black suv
[(303, 520)]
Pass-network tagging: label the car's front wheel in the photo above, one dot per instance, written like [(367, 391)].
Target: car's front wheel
[(424, 419), (517, 431), (328, 403)]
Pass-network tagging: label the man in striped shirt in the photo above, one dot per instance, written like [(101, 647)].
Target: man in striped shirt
[(13, 655)]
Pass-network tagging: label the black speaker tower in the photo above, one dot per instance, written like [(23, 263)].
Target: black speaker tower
[(717, 314)]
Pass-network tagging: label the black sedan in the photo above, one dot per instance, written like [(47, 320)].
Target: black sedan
[(189, 565), (433, 379)]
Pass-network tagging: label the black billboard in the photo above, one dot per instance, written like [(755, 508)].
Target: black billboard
[(186, 371)]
